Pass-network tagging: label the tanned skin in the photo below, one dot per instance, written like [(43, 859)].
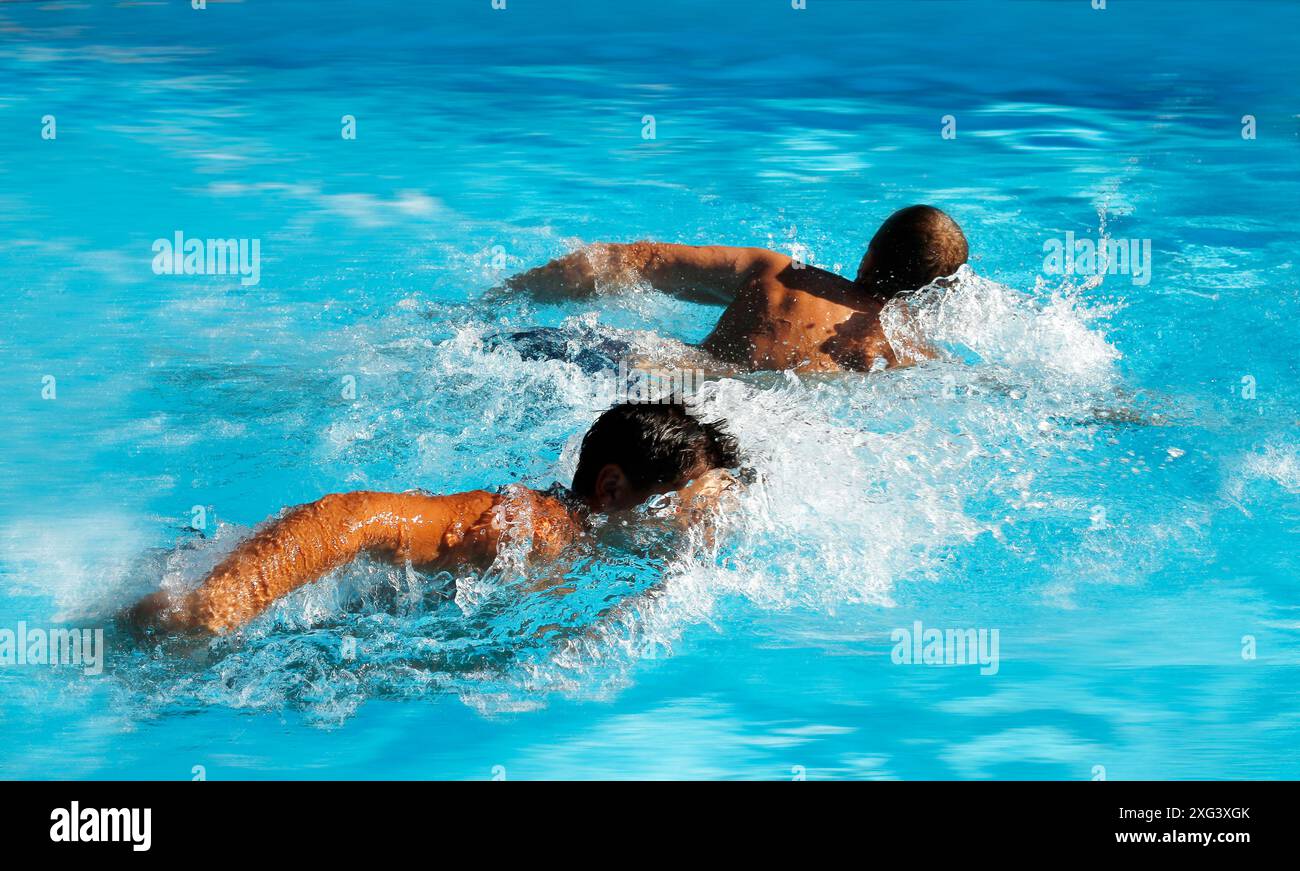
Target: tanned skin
[(429, 532), (424, 531), (780, 313)]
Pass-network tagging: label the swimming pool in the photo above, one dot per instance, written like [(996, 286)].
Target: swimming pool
[(1106, 473)]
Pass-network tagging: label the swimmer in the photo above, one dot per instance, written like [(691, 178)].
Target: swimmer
[(631, 453), (780, 314)]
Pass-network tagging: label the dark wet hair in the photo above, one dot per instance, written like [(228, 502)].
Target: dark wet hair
[(913, 247), (655, 444)]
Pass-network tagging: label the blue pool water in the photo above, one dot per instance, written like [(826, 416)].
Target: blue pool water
[(1107, 473)]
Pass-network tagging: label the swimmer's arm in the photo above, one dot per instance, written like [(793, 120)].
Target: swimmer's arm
[(314, 539), (696, 273)]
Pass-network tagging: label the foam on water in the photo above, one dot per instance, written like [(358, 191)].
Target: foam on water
[(1276, 462), (981, 321)]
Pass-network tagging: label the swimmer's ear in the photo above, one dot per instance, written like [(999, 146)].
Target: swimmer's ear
[(612, 488)]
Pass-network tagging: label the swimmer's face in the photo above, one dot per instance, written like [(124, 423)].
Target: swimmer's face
[(699, 490), (614, 492)]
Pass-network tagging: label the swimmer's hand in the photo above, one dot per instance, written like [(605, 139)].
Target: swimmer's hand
[(584, 272), (706, 490), (701, 498), (159, 613)]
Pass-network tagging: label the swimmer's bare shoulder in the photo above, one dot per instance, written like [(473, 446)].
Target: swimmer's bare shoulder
[(311, 540)]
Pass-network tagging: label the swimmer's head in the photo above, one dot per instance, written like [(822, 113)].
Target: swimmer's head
[(638, 450), (912, 248)]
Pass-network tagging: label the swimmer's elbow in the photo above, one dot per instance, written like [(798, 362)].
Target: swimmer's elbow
[(401, 527), (336, 512)]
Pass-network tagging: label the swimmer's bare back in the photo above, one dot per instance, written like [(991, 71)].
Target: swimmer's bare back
[(311, 540)]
